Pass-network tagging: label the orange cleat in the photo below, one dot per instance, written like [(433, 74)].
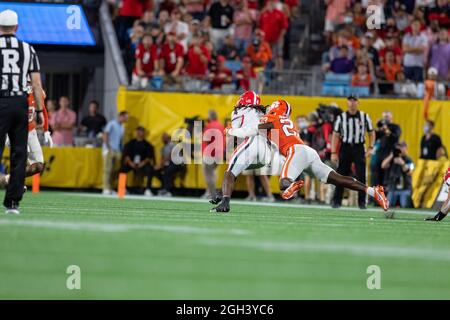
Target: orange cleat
[(292, 189), (380, 198)]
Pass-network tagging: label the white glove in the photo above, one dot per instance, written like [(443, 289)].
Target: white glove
[(7, 143), (48, 139)]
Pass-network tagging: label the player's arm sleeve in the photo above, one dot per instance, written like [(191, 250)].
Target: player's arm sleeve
[(244, 132), (337, 125), (34, 61), (369, 123)]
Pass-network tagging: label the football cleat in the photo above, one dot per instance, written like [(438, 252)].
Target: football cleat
[(380, 198), (216, 198), (438, 217), (224, 206), (13, 209), (292, 190)]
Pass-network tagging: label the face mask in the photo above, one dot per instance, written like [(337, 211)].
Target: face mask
[(348, 19), (426, 129), (303, 124)]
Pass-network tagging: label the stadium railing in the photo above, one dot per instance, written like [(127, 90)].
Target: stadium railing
[(304, 83)]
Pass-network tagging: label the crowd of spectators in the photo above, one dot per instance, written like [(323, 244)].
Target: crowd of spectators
[(223, 45), (412, 43)]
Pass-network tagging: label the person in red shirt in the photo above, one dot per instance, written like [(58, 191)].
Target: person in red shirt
[(221, 75), (146, 61), (274, 23), (171, 60), (391, 45), (246, 74), (198, 57), (213, 148)]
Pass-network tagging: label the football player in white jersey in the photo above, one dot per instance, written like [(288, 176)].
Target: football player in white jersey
[(445, 208), (254, 152)]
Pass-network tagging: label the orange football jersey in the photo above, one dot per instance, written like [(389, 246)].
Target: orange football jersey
[(32, 112), (284, 133)]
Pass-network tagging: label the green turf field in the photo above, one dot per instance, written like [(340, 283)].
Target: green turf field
[(176, 249)]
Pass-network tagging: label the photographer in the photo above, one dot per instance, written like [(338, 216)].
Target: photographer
[(387, 135), (398, 168)]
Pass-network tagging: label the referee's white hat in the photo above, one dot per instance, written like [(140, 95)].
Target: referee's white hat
[(8, 18)]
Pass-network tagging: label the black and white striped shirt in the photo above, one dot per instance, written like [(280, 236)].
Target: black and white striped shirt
[(17, 60), (352, 128)]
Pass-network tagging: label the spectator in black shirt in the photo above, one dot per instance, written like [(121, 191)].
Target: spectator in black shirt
[(431, 147), (387, 135), (139, 156), (229, 49), (93, 123), (221, 17), (398, 167), (371, 51)]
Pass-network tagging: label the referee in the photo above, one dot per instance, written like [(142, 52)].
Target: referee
[(349, 131), (18, 63)]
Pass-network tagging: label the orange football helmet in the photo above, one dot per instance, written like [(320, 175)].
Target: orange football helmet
[(280, 107)]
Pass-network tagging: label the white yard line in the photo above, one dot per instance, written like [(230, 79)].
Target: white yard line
[(118, 227), (348, 248), (249, 203)]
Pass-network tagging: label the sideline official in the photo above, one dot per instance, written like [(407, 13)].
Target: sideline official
[(18, 64), (350, 130)]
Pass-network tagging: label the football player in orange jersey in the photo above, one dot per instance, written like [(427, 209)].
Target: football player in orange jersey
[(300, 157), (35, 156), (445, 208)]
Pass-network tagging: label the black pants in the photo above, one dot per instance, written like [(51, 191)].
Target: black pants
[(14, 122), (377, 173), (347, 155), (167, 175), (147, 170)]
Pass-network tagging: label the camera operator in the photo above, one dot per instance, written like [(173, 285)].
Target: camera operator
[(398, 171), (387, 135)]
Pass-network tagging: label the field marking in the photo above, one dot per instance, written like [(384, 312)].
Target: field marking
[(348, 248), (118, 227), (249, 203)]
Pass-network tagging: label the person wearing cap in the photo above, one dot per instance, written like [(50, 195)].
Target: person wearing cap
[(432, 89), (139, 157), (398, 168), (349, 132), (19, 63)]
